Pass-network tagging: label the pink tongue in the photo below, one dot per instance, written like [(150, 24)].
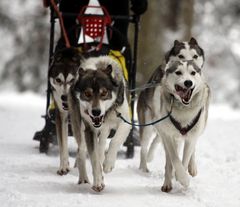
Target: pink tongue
[(185, 95)]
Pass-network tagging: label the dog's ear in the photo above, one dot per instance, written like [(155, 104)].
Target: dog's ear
[(108, 69), (193, 41), (81, 72), (176, 42), (114, 74), (57, 57), (77, 56), (167, 56)]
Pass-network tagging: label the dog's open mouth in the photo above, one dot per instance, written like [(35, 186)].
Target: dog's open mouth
[(97, 120), (65, 106), (184, 93)]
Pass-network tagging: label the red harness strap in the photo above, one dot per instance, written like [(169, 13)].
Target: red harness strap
[(61, 23)]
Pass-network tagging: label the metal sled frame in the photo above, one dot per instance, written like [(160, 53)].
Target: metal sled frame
[(46, 135)]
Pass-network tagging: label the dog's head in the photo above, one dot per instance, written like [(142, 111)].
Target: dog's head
[(186, 51), (183, 79), (63, 73), (98, 88)]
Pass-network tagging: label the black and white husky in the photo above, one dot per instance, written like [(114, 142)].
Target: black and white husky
[(181, 82), (100, 93), (63, 74)]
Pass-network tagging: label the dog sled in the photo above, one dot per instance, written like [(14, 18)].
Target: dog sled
[(89, 26)]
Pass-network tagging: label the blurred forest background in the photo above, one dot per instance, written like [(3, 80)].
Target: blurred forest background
[(24, 33)]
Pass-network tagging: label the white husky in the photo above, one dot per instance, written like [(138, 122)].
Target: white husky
[(63, 73), (184, 93), (180, 51)]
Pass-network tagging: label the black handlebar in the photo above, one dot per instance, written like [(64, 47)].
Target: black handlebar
[(130, 18)]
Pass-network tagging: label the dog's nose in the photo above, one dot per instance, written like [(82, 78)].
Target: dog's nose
[(96, 112), (64, 97), (188, 83)]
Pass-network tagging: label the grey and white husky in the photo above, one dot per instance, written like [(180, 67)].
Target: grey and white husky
[(189, 57), (63, 74), (100, 93)]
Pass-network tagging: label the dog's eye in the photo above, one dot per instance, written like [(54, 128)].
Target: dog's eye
[(195, 56), (178, 73), (88, 93), (71, 81), (58, 80), (193, 73), (104, 93), (181, 56)]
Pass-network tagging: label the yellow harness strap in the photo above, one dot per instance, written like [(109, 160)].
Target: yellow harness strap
[(117, 55), (52, 104)]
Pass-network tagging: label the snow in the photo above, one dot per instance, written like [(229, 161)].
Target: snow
[(29, 178)]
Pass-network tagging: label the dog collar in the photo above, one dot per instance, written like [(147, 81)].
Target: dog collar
[(185, 130)]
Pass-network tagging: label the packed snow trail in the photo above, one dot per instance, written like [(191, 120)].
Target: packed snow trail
[(28, 178)]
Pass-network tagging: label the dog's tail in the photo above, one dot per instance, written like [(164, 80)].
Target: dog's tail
[(152, 148)]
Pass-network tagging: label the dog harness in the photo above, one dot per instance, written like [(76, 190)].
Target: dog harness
[(185, 130), (117, 56)]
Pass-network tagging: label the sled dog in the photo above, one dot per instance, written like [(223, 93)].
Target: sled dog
[(183, 92), (180, 51), (63, 73), (101, 93)]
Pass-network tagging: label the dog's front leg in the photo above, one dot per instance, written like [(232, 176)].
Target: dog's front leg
[(167, 186), (188, 154), (78, 128), (81, 156), (102, 144), (118, 139), (62, 136), (192, 166), (145, 137), (92, 145), (81, 163), (170, 147)]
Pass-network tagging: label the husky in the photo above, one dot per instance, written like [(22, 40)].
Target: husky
[(183, 94), (101, 94), (180, 51), (63, 74)]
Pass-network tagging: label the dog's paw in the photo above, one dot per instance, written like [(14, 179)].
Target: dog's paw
[(83, 181), (98, 188), (192, 169), (166, 188), (183, 178), (108, 165), (63, 171), (144, 169)]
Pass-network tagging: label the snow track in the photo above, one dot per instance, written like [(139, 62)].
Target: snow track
[(28, 178)]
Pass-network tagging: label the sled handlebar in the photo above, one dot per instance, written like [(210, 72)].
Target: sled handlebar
[(130, 18)]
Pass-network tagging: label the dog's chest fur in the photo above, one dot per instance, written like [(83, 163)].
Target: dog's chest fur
[(184, 115)]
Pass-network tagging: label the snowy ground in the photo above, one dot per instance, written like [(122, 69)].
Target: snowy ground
[(28, 178)]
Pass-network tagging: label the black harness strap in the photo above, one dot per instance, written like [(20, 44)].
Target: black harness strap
[(143, 125), (119, 115), (185, 130)]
